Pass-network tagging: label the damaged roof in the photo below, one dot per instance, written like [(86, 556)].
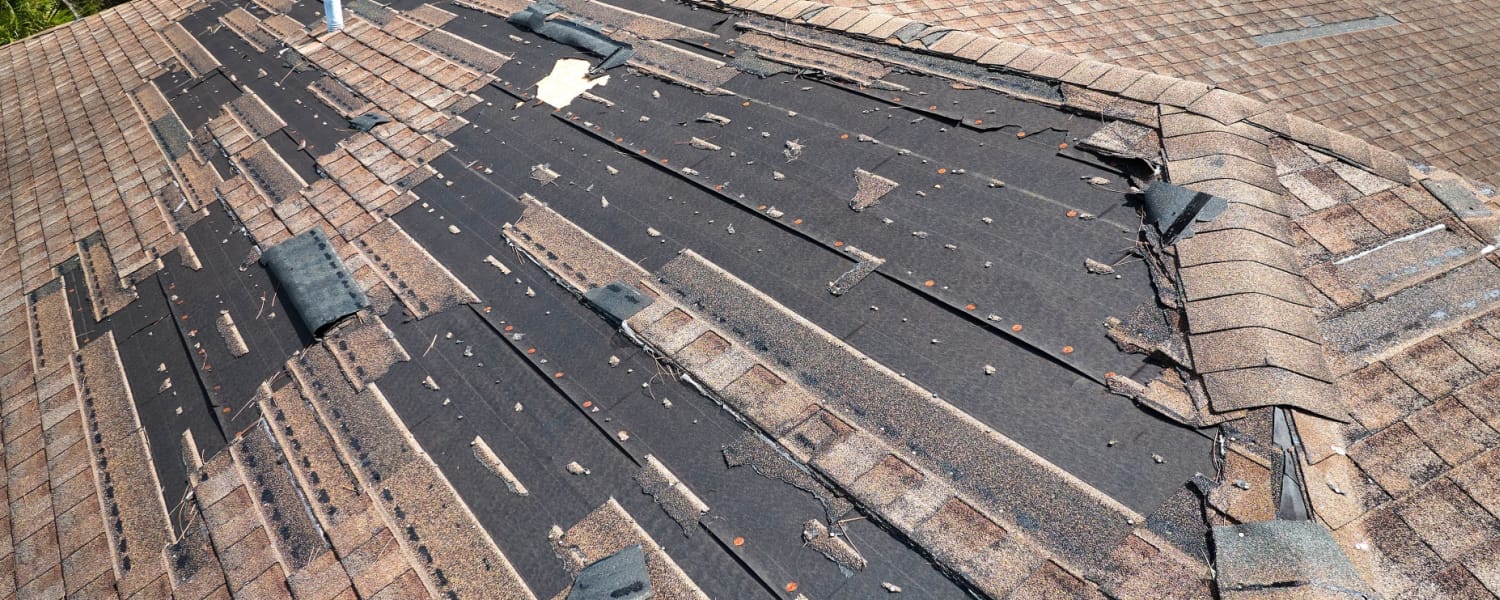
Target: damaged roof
[(764, 298), (1414, 77)]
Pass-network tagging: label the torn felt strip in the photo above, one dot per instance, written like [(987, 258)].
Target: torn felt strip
[(1174, 209)]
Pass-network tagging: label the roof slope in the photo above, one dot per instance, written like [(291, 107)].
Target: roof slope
[(1414, 77), (862, 256)]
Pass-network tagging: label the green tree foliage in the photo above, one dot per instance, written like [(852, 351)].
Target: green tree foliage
[(22, 18)]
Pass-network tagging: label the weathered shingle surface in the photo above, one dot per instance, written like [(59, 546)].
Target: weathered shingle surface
[(1420, 86), (933, 356)]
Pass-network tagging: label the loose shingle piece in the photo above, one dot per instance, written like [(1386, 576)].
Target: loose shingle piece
[(1283, 554)]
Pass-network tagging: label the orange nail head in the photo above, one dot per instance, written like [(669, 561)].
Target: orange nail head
[(509, 327), (531, 350), (1109, 375), (942, 171), (557, 375), (1072, 213), (226, 410), (796, 221), (1020, 134), (1062, 146), (1016, 327), (745, 103), (1067, 349), (929, 283), (791, 586), (838, 244), (933, 107), (663, 161), (896, 99), (971, 306), (588, 403), (844, 136), (619, 139), (978, 121), (739, 541)]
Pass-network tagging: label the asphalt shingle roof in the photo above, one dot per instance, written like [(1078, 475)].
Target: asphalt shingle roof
[(871, 259)]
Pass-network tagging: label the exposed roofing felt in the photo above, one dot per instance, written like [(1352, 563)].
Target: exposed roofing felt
[(804, 302)]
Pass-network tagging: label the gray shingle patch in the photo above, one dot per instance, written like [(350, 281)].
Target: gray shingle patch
[(314, 280), (1282, 553), (1466, 291), (618, 300), (620, 576), (910, 32), (1457, 198), (172, 136), (1324, 30)]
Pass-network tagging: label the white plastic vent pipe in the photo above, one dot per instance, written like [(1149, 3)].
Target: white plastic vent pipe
[(334, 11)]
